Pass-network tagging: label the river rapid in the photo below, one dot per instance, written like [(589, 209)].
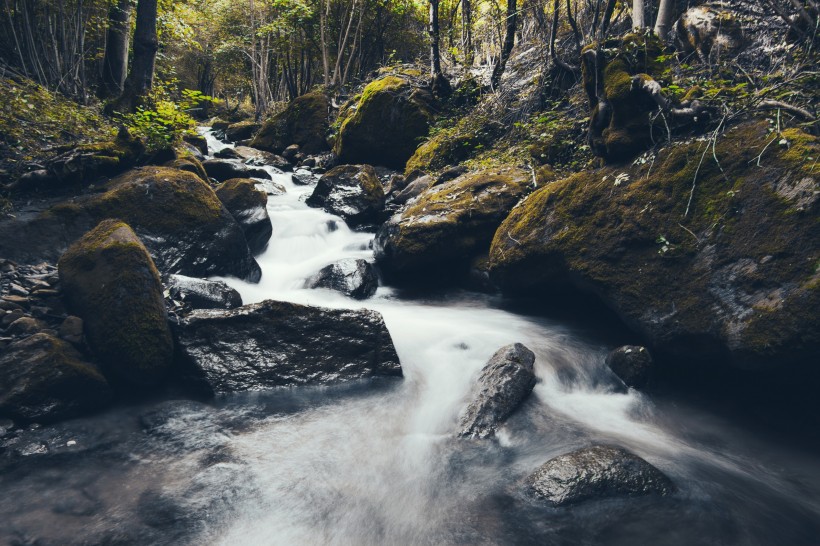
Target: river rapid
[(377, 463)]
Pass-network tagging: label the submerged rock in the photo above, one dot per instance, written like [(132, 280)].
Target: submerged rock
[(386, 124), (594, 473), (110, 281), (448, 225), (631, 363), (356, 278), (43, 378), (353, 192), (273, 344), (707, 268), (505, 381), (202, 294), (248, 206), (225, 169)]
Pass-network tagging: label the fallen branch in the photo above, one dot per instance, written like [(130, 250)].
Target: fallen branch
[(790, 108)]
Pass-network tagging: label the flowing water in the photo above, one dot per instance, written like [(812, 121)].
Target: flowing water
[(377, 463)]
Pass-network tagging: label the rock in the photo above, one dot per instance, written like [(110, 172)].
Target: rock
[(227, 153), (290, 152), (441, 231), (631, 364), (733, 280), (11, 317), (303, 178), (45, 379), (199, 142), (203, 294), (25, 326), (110, 281), (273, 344), (259, 158), (384, 127), (222, 170), (505, 381), (71, 330), (178, 217), (451, 174), (304, 122), (242, 130), (270, 187), (412, 190), (353, 192), (356, 278), (248, 206), (594, 473), (190, 164), (453, 145)]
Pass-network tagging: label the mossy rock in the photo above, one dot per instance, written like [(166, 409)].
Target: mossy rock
[(733, 274), (43, 379), (178, 216), (446, 226), (190, 164), (454, 145), (110, 281), (248, 205), (242, 130), (389, 120), (305, 122)]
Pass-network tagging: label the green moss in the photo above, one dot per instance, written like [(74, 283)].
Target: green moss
[(238, 194), (111, 282), (390, 118), (304, 122), (453, 145)]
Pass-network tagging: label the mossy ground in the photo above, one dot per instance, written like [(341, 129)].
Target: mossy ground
[(36, 124)]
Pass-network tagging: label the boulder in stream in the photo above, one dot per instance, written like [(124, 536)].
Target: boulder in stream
[(201, 293), (225, 169), (353, 192), (356, 278), (596, 472), (631, 363), (248, 206), (505, 381), (271, 344)]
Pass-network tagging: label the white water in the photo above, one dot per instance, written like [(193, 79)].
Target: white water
[(375, 469)]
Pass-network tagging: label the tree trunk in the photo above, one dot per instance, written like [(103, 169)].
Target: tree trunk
[(467, 30), (435, 55), (637, 14), (666, 10), (509, 42), (141, 78), (115, 62)]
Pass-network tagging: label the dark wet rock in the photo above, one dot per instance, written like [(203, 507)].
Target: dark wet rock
[(248, 206), (303, 177), (448, 225), (304, 122), (272, 344), (736, 282), (199, 142), (632, 364), (384, 127), (290, 152), (260, 158), (71, 330), (177, 215), (451, 174), (201, 293), (356, 278), (110, 281), (270, 187), (595, 473), (241, 131), (505, 381), (353, 192), (224, 169), (43, 378), (190, 164), (227, 153), (25, 326), (411, 190)]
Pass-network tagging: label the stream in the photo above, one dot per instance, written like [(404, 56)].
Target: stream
[(378, 463)]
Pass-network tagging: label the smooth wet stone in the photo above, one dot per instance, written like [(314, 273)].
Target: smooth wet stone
[(272, 344), (594, 473), (223, 169), (505, 381), (355, 278), (631, 363), (353, 192), (201, 293)]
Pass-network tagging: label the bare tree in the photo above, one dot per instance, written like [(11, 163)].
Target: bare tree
[(115, 61), (439, 83), (638, 14), (146, 44), (509, 42), (666, 10)]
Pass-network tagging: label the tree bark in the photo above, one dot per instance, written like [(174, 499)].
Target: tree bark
[(141, 77), (467, 31), (666, 10), (638, 14), (435, 54), (115, 61), (509, 42)]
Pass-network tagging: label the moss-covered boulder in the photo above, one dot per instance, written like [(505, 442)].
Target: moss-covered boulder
[(454, 145), (191, 164), (178, 216), (705, 259), (110, 281), (448, 225), (242, 130), (44, 379), (305, 122), (353, 192), (386, 124), (248, 205)]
